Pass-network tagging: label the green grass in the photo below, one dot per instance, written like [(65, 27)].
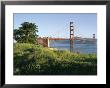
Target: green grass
[(30, 59)]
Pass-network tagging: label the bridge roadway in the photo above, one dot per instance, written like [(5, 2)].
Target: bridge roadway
[(58, 38), (63, 38)]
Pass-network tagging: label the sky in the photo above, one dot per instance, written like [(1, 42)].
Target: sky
[(57, 24)]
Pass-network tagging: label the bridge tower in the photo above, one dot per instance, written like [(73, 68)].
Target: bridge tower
[(71, 36), (93, 36)]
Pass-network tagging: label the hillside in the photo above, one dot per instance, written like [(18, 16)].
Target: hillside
[(30, 59)]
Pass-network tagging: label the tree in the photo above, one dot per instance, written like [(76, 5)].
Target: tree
[(26, 33)]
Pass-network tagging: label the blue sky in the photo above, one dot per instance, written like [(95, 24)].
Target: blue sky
[(57, 24)]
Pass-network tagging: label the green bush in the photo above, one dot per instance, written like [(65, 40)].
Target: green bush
[(30, 59)]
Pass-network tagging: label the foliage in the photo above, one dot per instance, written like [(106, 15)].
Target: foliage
[(26, 33), (30, 59)]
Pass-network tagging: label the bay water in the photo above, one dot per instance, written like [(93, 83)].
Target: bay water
[(80, 47)]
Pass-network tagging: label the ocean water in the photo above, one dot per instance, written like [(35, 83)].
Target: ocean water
[(81, 47)]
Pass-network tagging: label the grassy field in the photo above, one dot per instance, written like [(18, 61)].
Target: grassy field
[(30, 59)]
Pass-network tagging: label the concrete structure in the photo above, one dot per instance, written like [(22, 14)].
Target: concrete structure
[(43, 41)]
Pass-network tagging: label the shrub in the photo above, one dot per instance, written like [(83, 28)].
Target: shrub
[(30, 59)]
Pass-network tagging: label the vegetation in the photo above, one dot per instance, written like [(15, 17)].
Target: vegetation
[(30, 59), (26, 33)]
